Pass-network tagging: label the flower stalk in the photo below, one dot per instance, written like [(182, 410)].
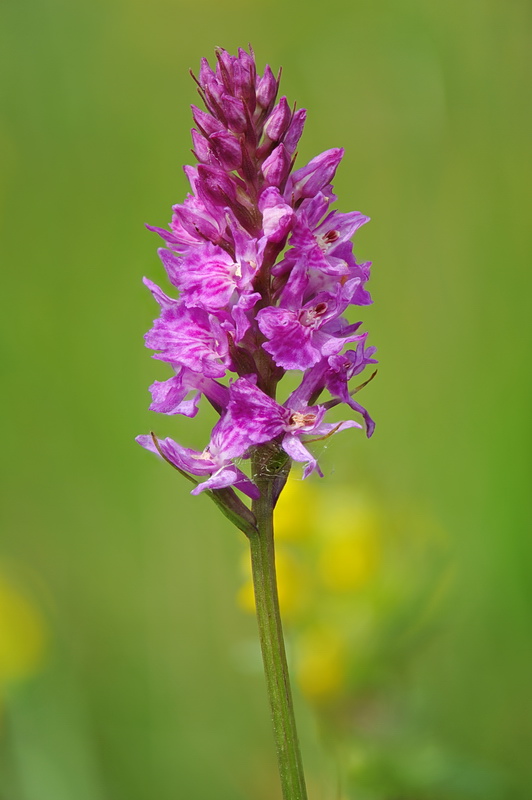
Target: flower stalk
[(271, 637)]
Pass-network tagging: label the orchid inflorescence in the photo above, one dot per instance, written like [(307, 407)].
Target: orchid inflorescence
[(265, 272)]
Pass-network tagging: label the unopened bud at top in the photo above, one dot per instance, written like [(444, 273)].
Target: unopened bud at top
[(206, 122), (293, 134), (227, 149), (278, 121), (235, 113), (267, 87), (276, 167)]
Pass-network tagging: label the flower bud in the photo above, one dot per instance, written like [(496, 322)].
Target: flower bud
[(293, 134), (205, 122), (206, 74), (267, 88), (276, 167), (215, 186), (235, 114), (214, 95), (193, 223), (244, 78), (224, 68), (309, 180), (278, 121), (202, 151), (227, 149)]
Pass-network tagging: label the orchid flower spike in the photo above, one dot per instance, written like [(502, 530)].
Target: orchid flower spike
[(265, 272)]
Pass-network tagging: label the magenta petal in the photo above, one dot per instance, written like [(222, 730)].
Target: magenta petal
[(186, 459), (241, 314), (245, 485), (296, 450), (181, 457), (252, 418), (205, 276), (277, 215), (277, 123), (335, 427), (290, 344), (266, 88), (191, 338), (276, 167), (315, 176), (168, 397), (171, 238), (227, 149), (226, 476), (293, 134), (229, 476), (166, 303), (294, 353), (146, 441)]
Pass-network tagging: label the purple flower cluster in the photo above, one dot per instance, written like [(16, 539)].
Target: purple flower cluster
[(265, 272)]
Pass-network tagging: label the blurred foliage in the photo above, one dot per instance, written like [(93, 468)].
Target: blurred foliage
[(128, 672)]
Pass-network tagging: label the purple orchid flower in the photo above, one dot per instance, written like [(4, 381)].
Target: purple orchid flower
[(300, 335), (190, 337), (246, 306), (207, 277), (256, 418), (334, 374), (213, 461)]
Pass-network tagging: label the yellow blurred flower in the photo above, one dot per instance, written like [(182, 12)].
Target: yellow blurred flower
[(292, 584), (348, 562), (23, 634), (295, 512), (350, 548), (321, 663), (346, 511)]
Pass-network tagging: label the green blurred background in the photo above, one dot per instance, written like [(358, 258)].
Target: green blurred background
[(128, 670)]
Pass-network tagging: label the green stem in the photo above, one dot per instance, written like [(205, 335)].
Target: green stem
[(272, 643)]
